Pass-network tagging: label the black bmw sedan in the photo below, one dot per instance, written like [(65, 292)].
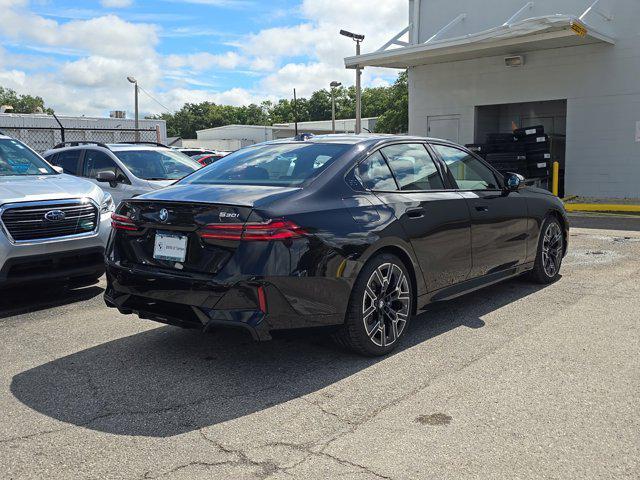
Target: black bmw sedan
[(354, 232)]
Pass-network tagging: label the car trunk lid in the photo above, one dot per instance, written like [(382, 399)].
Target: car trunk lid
[(161, 217)]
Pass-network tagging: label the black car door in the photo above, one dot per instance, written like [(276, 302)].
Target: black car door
[(499, 220), (436, 220)]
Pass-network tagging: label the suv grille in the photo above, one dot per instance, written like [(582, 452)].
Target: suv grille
[(37, 222)]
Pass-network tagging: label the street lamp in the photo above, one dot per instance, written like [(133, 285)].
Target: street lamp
[(358, 39), (333, 86), (135, 85)]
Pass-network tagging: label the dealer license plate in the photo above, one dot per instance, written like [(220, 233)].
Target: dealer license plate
[(170, 246)]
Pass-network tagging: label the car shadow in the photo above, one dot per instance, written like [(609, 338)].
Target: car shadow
[(35, 297), (168, 381)]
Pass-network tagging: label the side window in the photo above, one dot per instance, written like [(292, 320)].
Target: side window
[(413, 167), (69, 160), (374, 174), (96, 161), (469, 172)]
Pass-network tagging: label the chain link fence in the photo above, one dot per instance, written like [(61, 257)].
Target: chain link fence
[(42, 139)]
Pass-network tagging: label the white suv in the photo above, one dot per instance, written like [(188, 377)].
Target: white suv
[(124, 170), (52, 225)]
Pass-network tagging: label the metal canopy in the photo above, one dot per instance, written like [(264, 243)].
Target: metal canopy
[(539, 33)]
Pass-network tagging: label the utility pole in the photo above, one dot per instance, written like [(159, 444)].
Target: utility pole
[(135, 86), (295, 110), (333, 86), (358, 94), (358, 39)]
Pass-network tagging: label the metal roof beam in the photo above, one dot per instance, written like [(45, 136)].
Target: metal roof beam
[(595, 9), (515, 16), (396, 40), (447, 27)]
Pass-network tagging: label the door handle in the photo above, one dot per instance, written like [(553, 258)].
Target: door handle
[(482, 208), (415, 213)]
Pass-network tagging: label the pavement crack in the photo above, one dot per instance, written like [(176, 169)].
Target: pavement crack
[(307, 448), (324, 410), (29, 436), (267, 468)]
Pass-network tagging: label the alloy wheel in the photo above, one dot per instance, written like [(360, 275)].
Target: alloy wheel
[(386, 304), (552, 249)]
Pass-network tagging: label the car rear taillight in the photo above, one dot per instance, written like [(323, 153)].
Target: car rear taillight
[(262, 300), (120, 222), (222, 232), (271, 230)]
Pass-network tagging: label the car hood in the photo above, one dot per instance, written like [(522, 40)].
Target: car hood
[(155, 184), (243, 195), (22, 188)]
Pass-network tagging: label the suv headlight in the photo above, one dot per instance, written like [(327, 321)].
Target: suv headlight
[(107, 205)]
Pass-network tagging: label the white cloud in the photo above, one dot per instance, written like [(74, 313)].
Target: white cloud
[(204, 61), (218, 3), (306, 56), (100, 71), (116, 3), (177, 97), (318, 37), (107, 35)]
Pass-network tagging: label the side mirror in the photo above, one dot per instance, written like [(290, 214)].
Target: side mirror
[(107, 177), (513, 182), (58, 169)]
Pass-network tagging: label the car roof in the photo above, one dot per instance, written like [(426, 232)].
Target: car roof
[(115, 147), (352, 139)]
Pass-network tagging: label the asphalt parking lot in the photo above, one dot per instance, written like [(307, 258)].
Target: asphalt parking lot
[(516, 381)]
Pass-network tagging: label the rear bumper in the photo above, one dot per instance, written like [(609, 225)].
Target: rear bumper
[(198, 302)]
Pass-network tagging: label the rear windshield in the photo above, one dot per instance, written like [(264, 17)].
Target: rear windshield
[(288, 165), (16, 159), (157, 164)]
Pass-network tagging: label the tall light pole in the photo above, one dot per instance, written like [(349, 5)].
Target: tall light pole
[(135, 86), (333, 86), (358, 39)]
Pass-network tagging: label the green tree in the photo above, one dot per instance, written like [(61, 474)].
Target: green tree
[(375, 101), (320, 105), (396, 117), (389, 104), (22, 103)]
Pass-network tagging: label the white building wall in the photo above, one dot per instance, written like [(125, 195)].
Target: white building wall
[(17, 120), (41, 132), (254, 134), (601, 84)]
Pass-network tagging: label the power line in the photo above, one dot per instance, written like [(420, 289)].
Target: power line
[(155, 99)]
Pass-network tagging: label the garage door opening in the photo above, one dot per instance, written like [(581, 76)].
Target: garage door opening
[(524, 137)]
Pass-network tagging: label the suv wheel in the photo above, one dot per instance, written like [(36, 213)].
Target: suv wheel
[(550, 252), (379, 309)]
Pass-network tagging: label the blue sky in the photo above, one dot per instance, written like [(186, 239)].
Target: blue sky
[(77, 54)]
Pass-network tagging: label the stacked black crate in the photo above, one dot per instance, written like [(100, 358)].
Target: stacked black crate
[(502, 152), (537, 147)]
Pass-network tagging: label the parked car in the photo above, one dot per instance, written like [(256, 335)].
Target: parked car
[(123, 169), (52, 225), (193, 152), (353, 232), (209, 158)]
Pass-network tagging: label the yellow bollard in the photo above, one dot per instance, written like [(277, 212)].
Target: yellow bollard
[(555, 178)]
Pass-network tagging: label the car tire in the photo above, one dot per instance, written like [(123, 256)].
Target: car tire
[(382, 291), (548, 261)]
